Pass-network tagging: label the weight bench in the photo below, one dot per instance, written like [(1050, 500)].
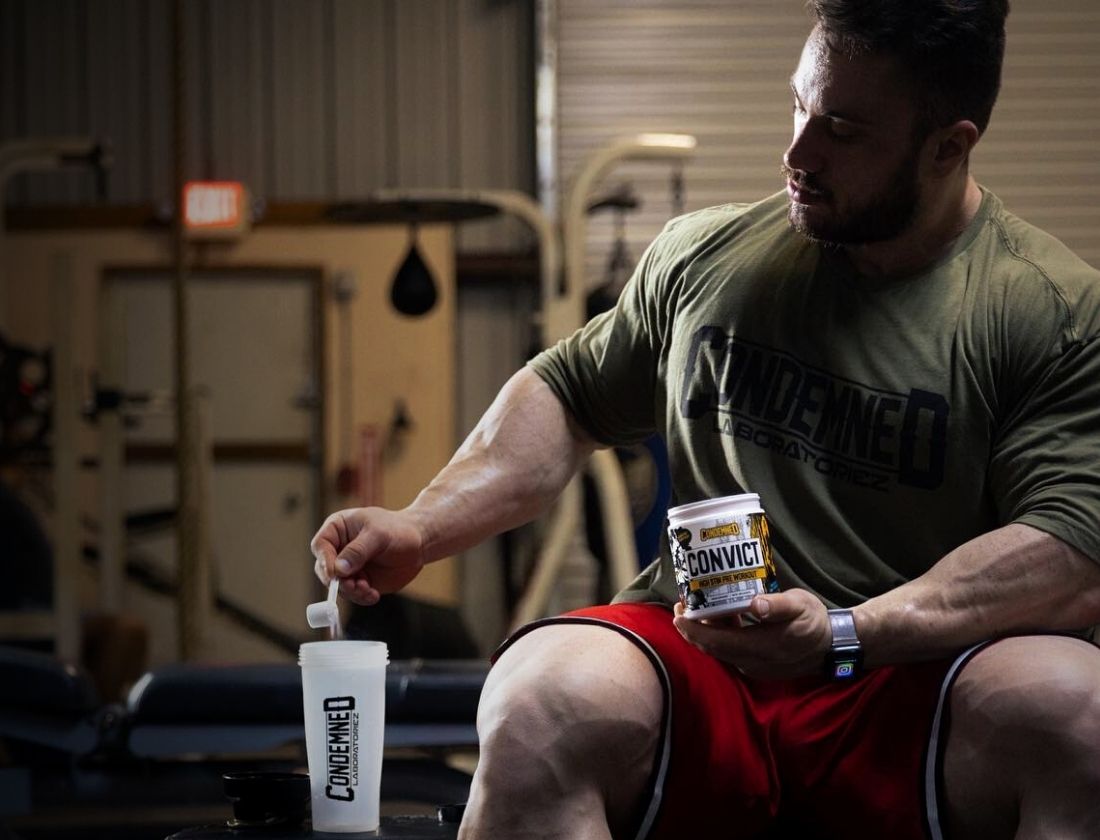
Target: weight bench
[(209, 708)]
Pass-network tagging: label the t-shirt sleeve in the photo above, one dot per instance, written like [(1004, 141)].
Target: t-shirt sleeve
[(1045, 464), (606, 372)]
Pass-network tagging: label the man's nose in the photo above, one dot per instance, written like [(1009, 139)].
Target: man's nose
[(803, 153)]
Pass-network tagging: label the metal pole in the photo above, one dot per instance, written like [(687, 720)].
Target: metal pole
[(112, 447), (111, 517), (66, 429), (201, 597), (546, 105), (187, 548)]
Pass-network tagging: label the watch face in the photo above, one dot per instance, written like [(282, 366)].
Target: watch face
[(844, 663), (844, 670)]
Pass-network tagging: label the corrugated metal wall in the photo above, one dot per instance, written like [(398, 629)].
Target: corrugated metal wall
[(300, 99), (719, 70), (1042, 153), (307, 99)]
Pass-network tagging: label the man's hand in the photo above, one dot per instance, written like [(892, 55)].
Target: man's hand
[(790, 641), (373, 551)]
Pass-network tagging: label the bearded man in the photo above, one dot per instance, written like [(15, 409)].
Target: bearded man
[(909, 377)]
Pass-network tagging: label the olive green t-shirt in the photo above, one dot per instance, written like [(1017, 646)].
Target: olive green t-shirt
[(883, 422)]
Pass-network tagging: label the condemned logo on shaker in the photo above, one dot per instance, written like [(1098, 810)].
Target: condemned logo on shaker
[(341, 747)]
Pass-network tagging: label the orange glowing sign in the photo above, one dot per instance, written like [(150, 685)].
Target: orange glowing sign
[(215, 208)]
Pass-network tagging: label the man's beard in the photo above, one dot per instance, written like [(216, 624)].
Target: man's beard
[(884, 217)]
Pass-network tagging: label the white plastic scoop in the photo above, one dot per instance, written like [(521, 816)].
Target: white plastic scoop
[(326, 613)]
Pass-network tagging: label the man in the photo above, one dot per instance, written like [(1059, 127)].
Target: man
[(908, 376)]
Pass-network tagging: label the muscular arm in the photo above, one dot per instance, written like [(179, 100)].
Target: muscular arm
[(514, 463), (1015, 579), (517, 459)]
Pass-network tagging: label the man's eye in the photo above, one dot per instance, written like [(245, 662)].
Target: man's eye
[(841, 129)]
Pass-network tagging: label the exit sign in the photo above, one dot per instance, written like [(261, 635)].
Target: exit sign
[(215, 209)]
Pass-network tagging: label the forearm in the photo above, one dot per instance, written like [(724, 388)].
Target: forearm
[(515, 462), (1015, 579)]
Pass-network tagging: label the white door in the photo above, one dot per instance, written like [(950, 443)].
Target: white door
[(254, 346)]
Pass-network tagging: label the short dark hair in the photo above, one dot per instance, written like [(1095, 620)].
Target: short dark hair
[(951, 49)]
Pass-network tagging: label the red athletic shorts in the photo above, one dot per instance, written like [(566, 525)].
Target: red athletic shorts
[(806, 758)]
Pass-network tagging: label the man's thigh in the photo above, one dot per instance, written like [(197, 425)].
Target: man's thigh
[(1022, 743), (711, 772), (733, 754), (570, 720), (807, 758)]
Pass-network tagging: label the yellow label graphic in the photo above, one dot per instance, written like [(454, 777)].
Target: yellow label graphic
[(758, 527), (731, 530)]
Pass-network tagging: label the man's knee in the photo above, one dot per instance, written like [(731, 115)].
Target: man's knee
[(571, 707)]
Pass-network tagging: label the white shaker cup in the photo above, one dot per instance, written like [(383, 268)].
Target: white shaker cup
[(344, 701)]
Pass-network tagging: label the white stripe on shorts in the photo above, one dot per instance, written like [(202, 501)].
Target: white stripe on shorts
[(936, 743)]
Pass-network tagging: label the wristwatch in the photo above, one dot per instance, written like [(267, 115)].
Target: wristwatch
[(844, 660)]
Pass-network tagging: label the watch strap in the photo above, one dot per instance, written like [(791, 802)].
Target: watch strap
[(843, 624), (844, 660)]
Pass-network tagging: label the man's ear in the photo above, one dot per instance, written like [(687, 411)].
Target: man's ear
[(952, 145)]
